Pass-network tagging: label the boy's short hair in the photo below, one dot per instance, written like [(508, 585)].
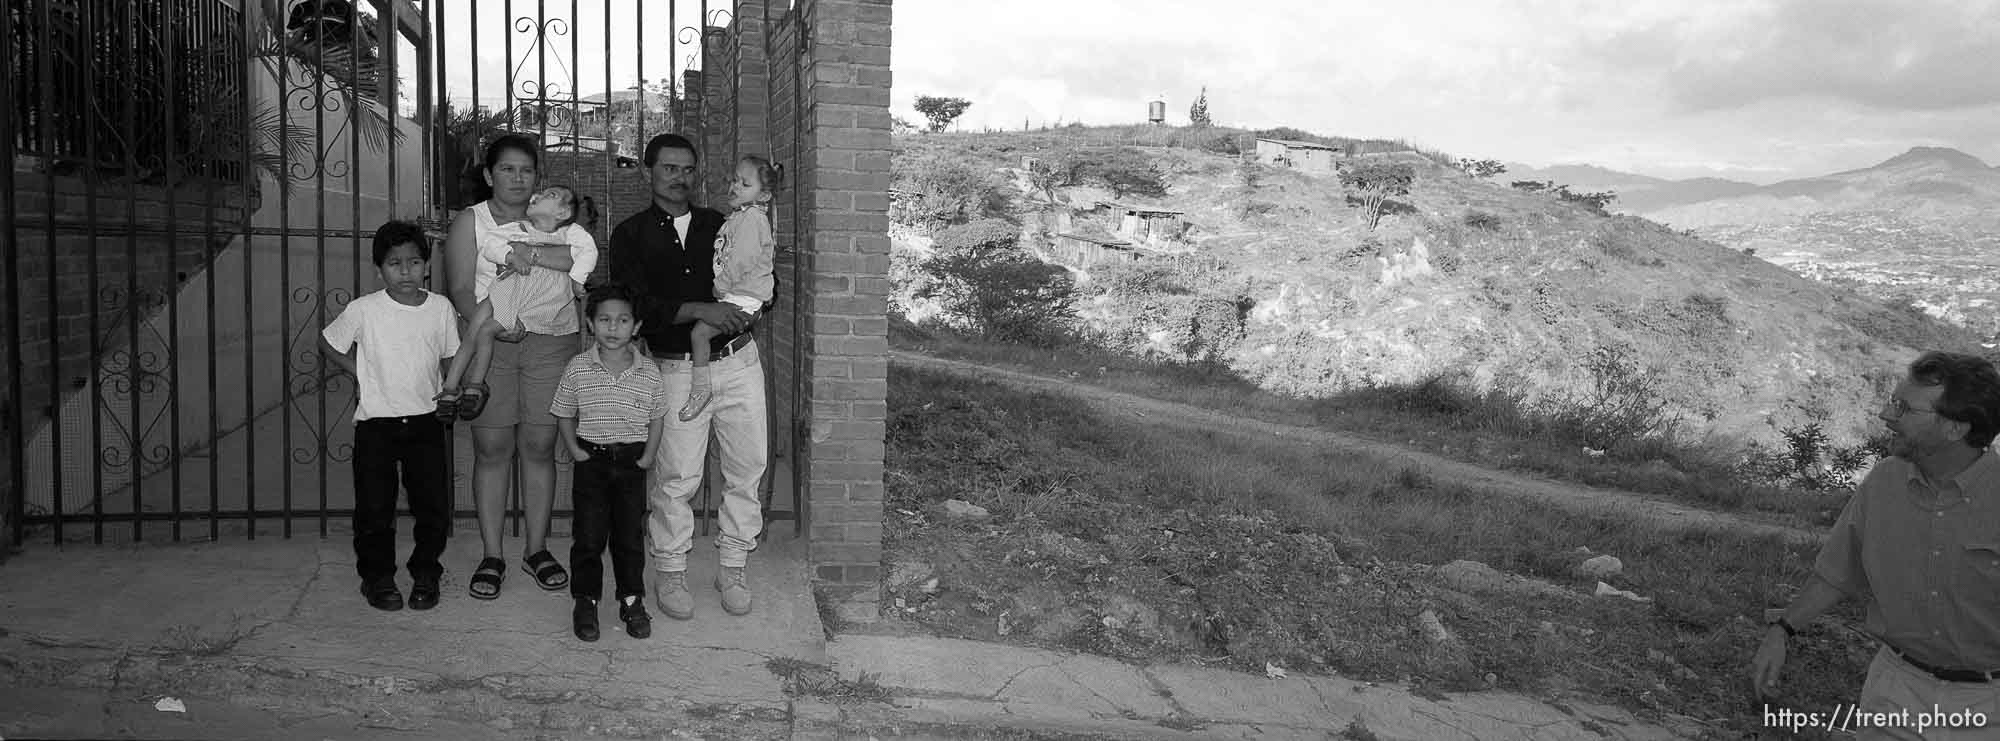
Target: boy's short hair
[(668, 141), (607, 292), (394, 233)]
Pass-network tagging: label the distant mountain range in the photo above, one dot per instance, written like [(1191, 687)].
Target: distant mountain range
[(1922, 226)]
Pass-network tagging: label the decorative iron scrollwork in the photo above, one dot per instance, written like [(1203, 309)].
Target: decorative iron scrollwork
[(310, 377), (543, 102), (127, 370)]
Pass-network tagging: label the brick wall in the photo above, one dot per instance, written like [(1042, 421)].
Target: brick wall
[(845, 157), (130, 222)]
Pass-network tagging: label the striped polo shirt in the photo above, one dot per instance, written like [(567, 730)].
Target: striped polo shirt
[(610, 408)]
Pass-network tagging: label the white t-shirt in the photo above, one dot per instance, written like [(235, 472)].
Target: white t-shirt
[(398, 349)]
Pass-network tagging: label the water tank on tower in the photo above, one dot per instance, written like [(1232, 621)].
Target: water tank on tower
[(1156, 112)]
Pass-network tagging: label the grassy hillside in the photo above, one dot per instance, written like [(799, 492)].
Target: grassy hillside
[(1492, 288)]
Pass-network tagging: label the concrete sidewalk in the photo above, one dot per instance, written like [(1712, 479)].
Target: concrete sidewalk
[(274, 635), (951, 688), (271, 639)]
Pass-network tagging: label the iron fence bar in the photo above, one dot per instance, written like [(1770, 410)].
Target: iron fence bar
[(610, 163), (639, 45), (514, 510), (433, 51), (45, 129), (252, 183), (16, 412), (284, 290), (701, 48), (355, 100), (209, 257), (129, 105), (90, 168), (168, 73), (576, 108)]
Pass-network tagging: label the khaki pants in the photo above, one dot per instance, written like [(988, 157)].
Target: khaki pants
[(735, 415), (1893, 685)]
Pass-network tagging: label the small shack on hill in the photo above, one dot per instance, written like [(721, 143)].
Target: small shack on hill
[(1307, 157), (1145, 224)]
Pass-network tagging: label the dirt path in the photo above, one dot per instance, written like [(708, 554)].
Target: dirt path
[(1576, 497)]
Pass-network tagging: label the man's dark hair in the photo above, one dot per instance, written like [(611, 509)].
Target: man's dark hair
[(394, 233), (668, 141), (607, 292), (517, 142), (1971, 391)]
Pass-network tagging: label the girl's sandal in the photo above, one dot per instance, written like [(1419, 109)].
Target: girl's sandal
[(546, 570), (491, 572), (447, 409), (471, 400)]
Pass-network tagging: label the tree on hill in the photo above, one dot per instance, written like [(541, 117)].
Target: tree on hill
[(1375, 183), (1593, 202), (1198, 112), (941, 110), (1125, 171), (981, 276)]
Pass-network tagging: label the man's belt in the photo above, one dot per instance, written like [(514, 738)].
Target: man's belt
[(734, 346), (613, 452), (1948, 675)]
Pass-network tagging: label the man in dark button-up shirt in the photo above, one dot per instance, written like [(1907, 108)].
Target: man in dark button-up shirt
[(665, 256), (1920, 542)]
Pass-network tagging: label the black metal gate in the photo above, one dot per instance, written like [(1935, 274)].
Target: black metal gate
[(191, 187)]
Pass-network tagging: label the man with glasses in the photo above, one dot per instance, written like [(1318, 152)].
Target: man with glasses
[(665, 256), (1920, 542)]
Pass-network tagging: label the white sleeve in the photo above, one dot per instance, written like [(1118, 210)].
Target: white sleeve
[(342, 332), (493, 245), (446, 331), (582, 253)]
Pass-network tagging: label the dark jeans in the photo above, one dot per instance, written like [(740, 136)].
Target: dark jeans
[(609, 496), (415, 445)]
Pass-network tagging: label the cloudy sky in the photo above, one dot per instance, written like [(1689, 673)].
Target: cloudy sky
[(1757, 90)]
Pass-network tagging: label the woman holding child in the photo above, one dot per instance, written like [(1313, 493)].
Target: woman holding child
[(508, 405)]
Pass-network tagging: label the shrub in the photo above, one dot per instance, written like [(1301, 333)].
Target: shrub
[(989, 286), (1482, 221), (1622, 407), (946, 191), (1811, 462)]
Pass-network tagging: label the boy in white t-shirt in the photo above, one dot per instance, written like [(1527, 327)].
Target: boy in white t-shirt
[(400, 337)]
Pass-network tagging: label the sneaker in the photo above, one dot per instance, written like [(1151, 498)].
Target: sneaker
[(584, 619), (735, 591), (672, 592), (638, 624)]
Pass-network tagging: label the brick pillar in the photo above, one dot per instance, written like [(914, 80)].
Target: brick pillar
[(845, 162), (687, 112), (718, 120), (750, 107)]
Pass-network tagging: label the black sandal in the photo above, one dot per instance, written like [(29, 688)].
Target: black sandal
[(471, 400), (546, 570), (491, 572)]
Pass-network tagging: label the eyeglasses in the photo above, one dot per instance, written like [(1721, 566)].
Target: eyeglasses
[(1901, 407)]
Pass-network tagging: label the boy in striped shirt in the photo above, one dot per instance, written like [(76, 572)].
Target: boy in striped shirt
[(610, 408)]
